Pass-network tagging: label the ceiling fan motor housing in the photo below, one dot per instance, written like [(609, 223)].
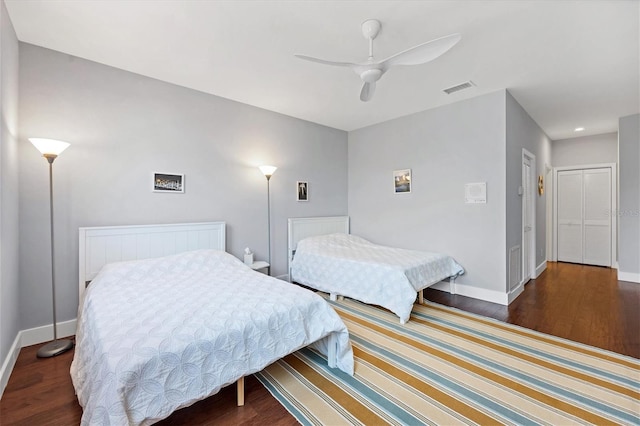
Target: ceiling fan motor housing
[(371, 76)]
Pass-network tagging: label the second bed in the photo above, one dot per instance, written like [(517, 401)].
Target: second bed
[(325, 257)]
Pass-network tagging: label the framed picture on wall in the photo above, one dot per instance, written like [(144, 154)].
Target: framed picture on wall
[(402, 181), (302, 190), (168, 182)]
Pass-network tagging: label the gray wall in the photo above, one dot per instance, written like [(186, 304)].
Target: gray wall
[(629, 195), (445, 147), (523, 132), (9, 311), (123, 127), (585, 150)]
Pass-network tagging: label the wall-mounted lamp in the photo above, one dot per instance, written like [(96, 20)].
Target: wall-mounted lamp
[(268, 171), (50, 149)]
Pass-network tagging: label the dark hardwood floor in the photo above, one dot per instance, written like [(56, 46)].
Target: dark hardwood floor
[(581, 303)]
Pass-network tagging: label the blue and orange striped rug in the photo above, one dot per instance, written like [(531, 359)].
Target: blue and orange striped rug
[(447, 367)]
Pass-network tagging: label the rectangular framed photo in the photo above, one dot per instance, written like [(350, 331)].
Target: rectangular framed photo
[(168, 182), (402, 181), (302, 190)]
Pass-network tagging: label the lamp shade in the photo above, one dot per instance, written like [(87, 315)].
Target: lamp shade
[(268, 170), (49, 146)]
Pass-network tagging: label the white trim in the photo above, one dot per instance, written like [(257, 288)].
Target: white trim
[(474, 292), (633, 277), (515, 267), (548, 193), (531, 250), (9, 363), (34, 336), (540, 269), (515, 293)]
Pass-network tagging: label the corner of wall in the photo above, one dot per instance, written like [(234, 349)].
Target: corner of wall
[(9, 202)]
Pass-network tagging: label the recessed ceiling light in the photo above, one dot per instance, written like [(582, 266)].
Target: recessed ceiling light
[(579, 129)]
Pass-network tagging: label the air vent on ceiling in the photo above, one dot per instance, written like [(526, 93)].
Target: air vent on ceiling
[(458, 87)]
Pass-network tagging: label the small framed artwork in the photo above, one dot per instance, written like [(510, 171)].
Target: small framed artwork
[(402, 181), (168, 182), (302, 190)]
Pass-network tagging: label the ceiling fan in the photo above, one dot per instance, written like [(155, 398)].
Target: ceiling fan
[(371, 70)]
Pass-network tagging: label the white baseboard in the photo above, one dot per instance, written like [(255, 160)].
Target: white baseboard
[(540, 269), (513, 294), (633, 277), (475, 292), (33, 336), (9, 363)]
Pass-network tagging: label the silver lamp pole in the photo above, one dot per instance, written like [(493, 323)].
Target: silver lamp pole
[(269, 219), (268, 171), (50, 150)]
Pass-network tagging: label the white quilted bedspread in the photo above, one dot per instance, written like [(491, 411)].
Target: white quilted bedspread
[(159, 334), (351, 266)]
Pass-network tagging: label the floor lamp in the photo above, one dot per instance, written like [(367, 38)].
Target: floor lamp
[(50, 150), (268, 171)]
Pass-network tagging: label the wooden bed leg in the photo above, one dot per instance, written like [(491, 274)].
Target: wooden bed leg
[(340, 297), (240, 391), (420, 297), (452, 285)]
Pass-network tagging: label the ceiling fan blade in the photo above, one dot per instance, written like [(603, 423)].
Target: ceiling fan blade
[(368, 89), (422, 53), (325, 62)]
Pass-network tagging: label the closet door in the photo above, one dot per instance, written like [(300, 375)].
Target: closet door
[(570, 244), (597, 216), (585, 216)]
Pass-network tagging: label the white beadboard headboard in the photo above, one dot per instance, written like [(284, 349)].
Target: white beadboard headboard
[(107, 244), (303, 227)]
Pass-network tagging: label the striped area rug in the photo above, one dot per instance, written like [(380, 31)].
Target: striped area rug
[(448, 367)]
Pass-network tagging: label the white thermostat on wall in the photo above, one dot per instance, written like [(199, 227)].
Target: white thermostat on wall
[(475, 193)]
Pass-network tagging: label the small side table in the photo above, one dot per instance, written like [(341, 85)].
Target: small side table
[(261, 264)]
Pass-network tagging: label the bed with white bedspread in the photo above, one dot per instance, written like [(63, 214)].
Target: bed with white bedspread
[(347, 265), (159, 334)]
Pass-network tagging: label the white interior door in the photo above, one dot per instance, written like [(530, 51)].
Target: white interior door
[(569, 216), (597, 217), (584, 219), (527, 225)]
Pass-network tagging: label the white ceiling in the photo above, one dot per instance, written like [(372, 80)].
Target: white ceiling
[(568, 63)]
